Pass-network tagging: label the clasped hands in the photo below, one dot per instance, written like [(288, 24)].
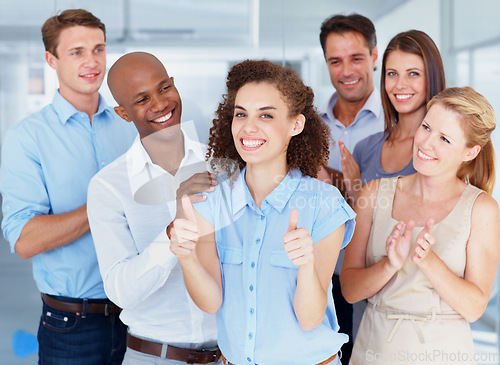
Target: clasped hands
[(398, 243)]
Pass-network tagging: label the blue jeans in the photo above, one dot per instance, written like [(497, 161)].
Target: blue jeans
[(67, 338)]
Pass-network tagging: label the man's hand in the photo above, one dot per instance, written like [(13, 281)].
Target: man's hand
[(350, 169), (202, 182)]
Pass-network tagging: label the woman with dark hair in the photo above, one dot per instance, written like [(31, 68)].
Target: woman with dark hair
[(425, 251), (261, 249), (412, 73)]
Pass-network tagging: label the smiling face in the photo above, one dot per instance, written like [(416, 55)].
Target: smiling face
[(146, 95), (440, 144), (262, 127), (81, 61), (350, 65), (405, 82)]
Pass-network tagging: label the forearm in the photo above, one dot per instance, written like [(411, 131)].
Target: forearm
[(205, 291), (362, 283), (310, 298), (461, 295), (132, 280), (45, 232)]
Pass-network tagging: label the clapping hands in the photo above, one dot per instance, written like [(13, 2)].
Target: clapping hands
[(398, 243), (350, 169)]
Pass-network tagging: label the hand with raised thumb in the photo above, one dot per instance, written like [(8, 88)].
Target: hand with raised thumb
[(298, 242), (184, 231)]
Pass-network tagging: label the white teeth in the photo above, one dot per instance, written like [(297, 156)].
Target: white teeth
[(163, 119), (252, 142), (403, 96), (424, 156), (89, 76), (350, 82)]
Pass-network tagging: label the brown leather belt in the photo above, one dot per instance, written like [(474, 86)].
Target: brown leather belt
[(189, 356), (92, 307), (325, 362)]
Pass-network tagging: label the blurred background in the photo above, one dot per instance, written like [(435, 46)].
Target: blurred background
[(198, 40)]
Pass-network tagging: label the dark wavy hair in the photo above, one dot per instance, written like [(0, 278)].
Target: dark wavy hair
[(340, 24), (420, 44), (306, 151)]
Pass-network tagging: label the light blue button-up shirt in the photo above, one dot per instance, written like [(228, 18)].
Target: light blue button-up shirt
[(48, 160), (256, 322), (369, 120)]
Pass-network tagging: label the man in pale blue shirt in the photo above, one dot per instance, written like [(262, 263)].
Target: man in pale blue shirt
[(48, 160), (353, 113), (130, 204)]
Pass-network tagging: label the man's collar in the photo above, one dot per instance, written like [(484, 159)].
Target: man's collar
[(138, 156), (373, 104), (65, 110)]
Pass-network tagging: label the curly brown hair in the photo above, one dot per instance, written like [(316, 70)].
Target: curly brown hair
[(307, 151)]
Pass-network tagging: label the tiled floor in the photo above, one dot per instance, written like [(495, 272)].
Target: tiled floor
[(20, 307)]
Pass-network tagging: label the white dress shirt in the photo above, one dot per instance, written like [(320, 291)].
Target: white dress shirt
[(130, 204)]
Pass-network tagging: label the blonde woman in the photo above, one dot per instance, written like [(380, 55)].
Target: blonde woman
[(425, 250)]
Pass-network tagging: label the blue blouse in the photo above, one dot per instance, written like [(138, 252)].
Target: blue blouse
[(256, 322), (367, 155)]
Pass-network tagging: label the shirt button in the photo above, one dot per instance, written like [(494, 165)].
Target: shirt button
[(252, 265), (251, 311), (346, 133), (249, 359), (251, 288), (262, 217), (257, 240), (250, 336)]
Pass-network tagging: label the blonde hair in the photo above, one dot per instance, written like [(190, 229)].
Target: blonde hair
[(478, 120)]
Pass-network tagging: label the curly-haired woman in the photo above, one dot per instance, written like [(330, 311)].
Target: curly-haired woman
[(261, 249)]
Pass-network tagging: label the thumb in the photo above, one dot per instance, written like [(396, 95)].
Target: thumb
[(188, 209), (408, 228), (294, 219), (429, 224)]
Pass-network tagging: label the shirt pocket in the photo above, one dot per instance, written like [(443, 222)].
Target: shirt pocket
[(230, 255), (279, 258), (231, 263)]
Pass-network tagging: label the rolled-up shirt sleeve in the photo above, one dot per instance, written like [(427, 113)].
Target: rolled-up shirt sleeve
[(333, 212), (22, 185)]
